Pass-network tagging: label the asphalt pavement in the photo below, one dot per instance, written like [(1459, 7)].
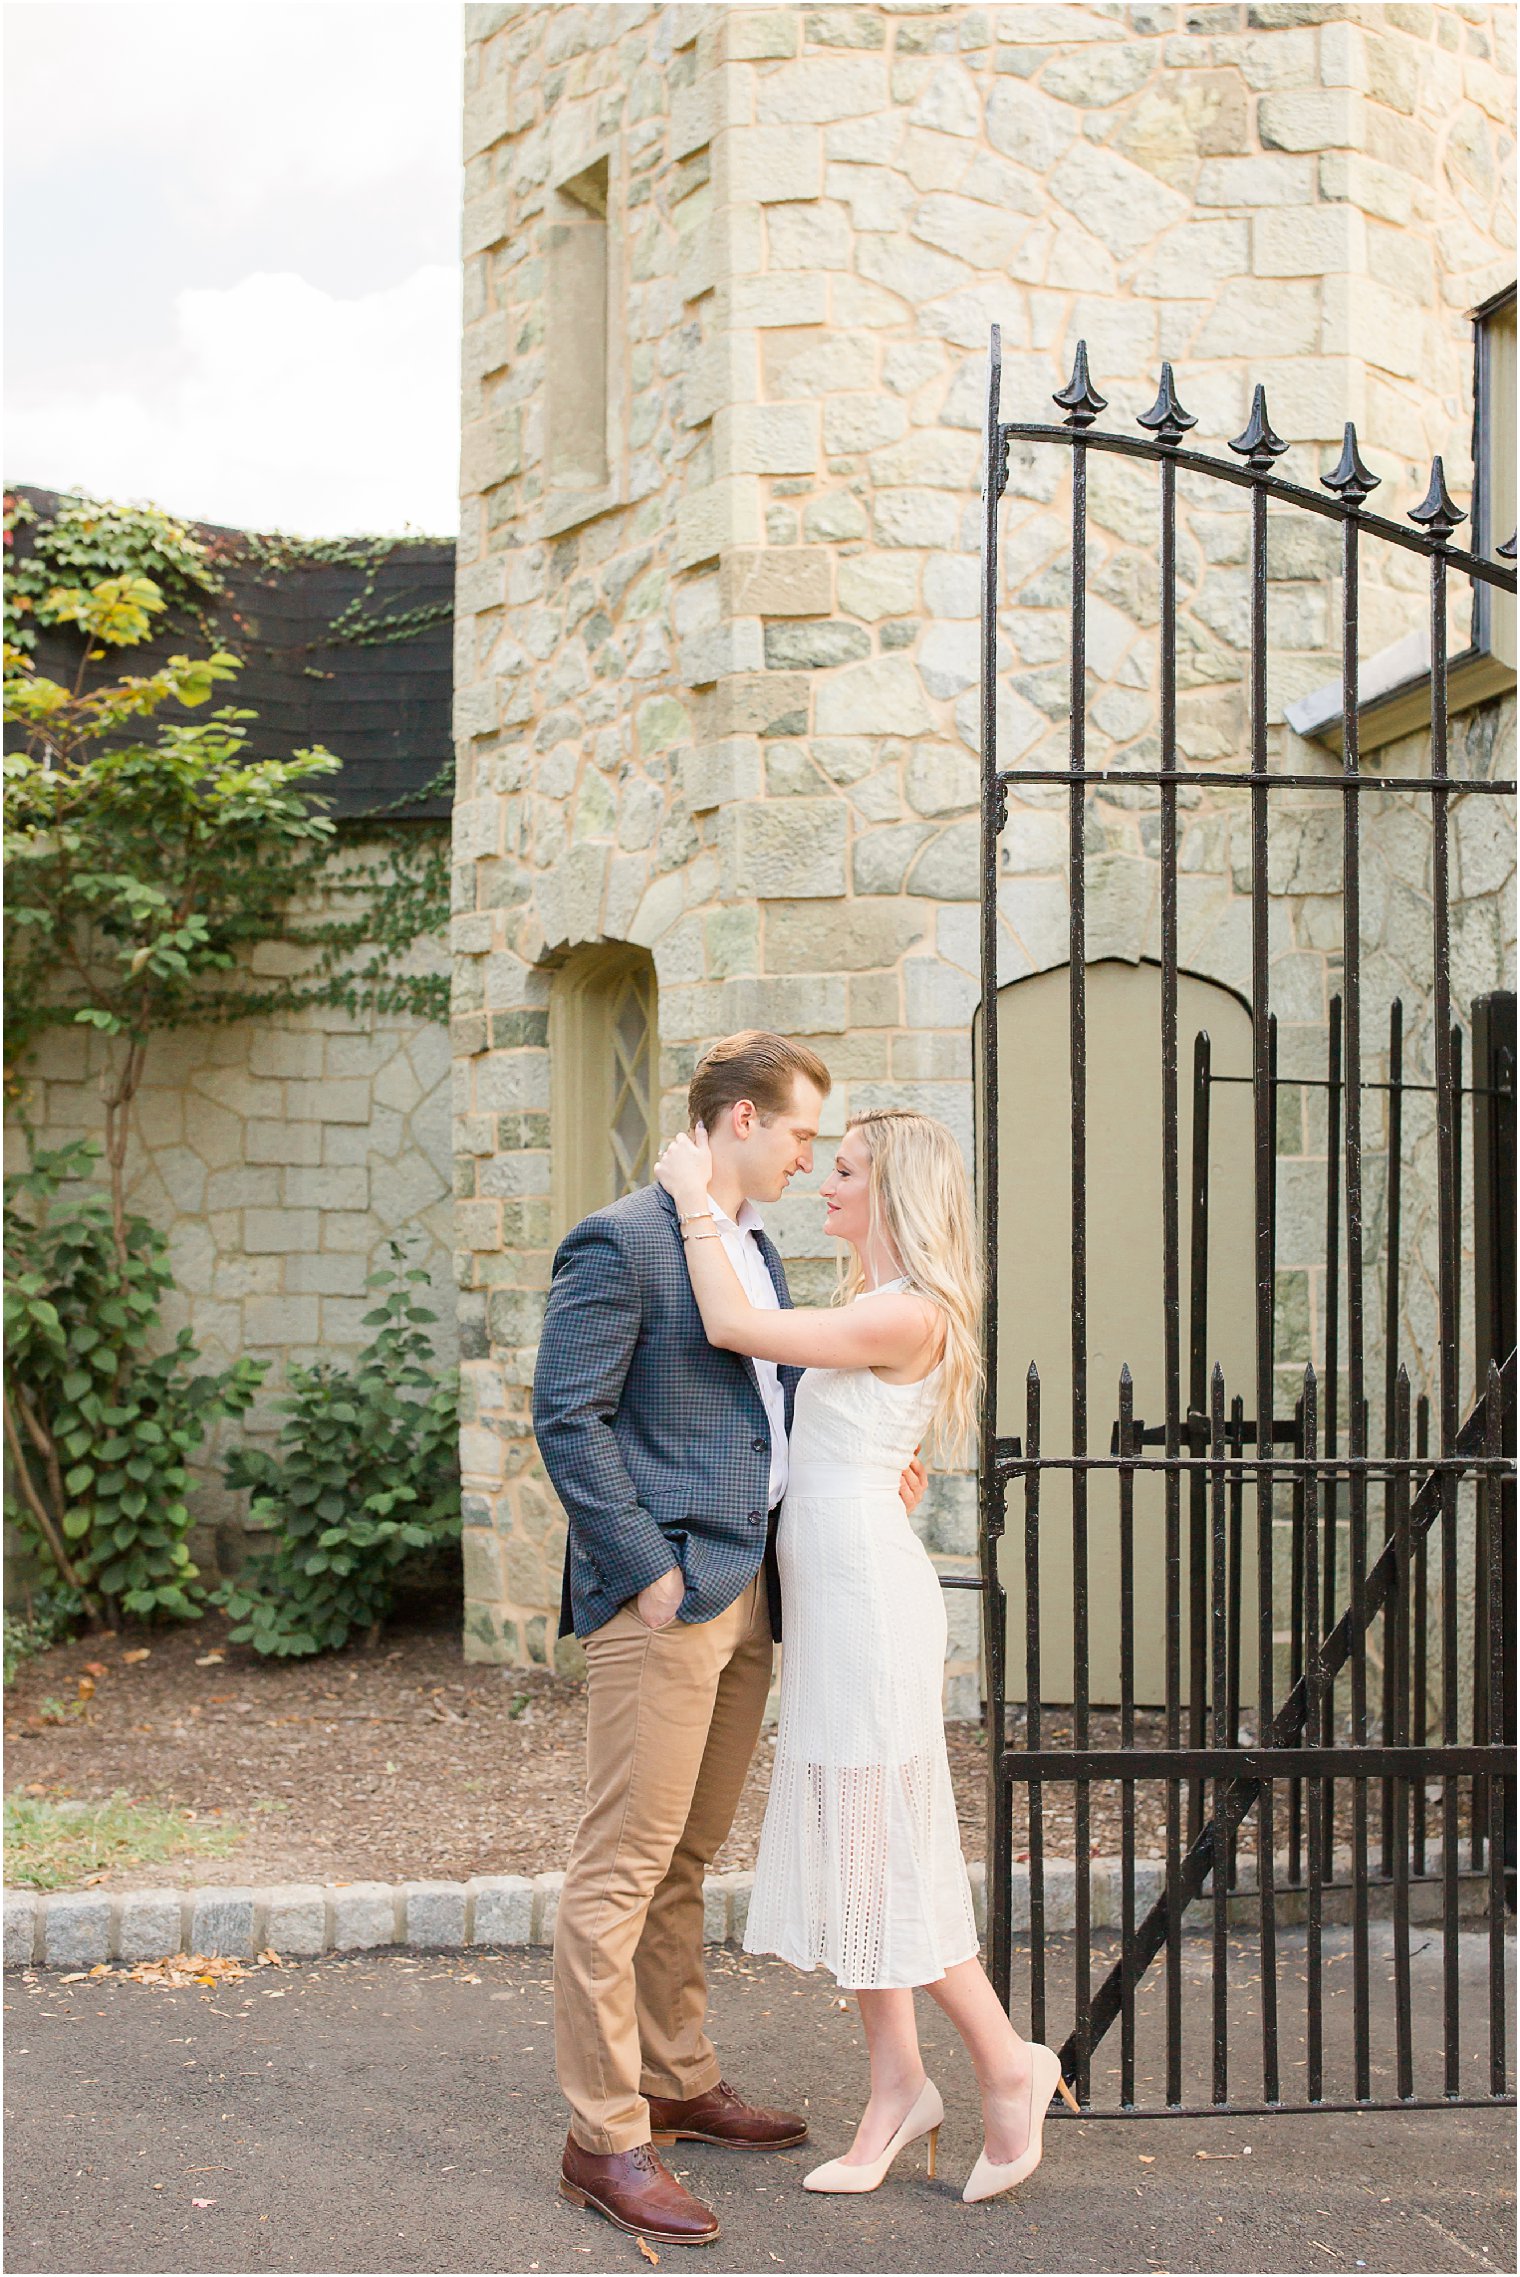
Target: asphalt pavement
[(390, 2113)]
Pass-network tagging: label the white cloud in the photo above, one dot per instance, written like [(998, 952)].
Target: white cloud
[(289, 408), (232, 274), (241, 98)]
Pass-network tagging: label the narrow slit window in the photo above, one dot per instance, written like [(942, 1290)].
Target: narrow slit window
[(577, 377), (1494, 465), (604, 1058)]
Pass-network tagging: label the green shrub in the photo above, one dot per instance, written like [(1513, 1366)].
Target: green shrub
[(50, 1614), (101, 1426), (363, 1485)]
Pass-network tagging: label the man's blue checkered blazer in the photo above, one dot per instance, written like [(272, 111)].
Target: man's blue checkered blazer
[(657, 1442)]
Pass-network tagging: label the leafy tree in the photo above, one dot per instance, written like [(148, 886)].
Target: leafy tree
[(142, 852), (146, 854), (100, 1424)]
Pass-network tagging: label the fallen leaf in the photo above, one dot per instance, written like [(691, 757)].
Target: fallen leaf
[(75, 1976), (1147, 2158), (210, 1660), (203, 2201), (190, 1968), (648, 2252), (142, 1652), (86, 1687), (97, 1668), (101, 1969), (271, 1958)]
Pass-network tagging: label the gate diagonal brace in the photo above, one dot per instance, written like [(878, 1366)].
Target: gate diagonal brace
[(1287, 1726)]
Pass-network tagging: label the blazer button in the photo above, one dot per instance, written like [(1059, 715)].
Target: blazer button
[(757, 1517), (758, 1445)]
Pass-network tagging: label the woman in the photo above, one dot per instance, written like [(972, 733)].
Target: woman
[(860, 1862)]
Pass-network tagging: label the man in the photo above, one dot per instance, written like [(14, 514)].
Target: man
[(670, 1459)]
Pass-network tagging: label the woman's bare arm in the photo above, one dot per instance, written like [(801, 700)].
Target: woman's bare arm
[(893, 1331)]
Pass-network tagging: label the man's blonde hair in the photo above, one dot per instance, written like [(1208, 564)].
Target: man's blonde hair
[(753, 1065)]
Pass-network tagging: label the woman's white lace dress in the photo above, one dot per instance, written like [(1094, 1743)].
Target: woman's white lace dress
[(860, 1862)]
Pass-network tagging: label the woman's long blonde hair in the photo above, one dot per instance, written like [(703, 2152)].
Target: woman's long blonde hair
[(920, 1200)]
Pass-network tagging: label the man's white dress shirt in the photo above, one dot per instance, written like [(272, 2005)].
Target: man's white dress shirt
[(743, 1253)]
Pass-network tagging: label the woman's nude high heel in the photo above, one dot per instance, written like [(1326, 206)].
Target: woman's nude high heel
[(989, 2181), (925, 2118)]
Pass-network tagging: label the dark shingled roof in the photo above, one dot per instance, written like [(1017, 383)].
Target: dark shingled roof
[(381, 699)]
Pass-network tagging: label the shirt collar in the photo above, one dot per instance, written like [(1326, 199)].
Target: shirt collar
[(749, 1219)]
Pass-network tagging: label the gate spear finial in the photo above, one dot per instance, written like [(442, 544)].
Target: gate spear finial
[(1508, 547), (1079, 399), (1166, 419), (1438, 512), (1351, 478), (1259, 445)]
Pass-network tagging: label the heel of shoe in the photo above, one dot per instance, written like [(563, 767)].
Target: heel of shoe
[(569, 2190), (932, 2138), (1067, 2097)]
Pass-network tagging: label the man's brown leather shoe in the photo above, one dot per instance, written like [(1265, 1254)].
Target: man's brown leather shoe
[(721, 2116), (638, 2192)]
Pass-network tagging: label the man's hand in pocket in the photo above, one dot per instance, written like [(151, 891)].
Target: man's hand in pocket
[(659, 1602)]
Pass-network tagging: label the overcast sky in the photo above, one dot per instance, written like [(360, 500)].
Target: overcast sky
[(232, 280)]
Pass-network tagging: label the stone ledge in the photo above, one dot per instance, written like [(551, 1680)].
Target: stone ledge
[(81, 1928)]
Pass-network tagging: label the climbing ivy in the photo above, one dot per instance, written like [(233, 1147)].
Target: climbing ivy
[(89, 540), (361, 915), (356, 625)]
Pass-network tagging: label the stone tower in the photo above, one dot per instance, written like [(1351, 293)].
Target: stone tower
[(730, 273)]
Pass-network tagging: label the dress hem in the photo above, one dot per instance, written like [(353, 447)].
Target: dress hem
[(822, 1961)]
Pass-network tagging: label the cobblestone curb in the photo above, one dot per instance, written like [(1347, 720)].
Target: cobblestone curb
[(71, 1929)]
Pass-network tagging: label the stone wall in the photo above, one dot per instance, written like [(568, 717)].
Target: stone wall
[(726, 708), (280, 1157)]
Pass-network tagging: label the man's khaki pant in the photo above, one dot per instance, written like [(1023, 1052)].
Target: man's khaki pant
[(673, 1717)]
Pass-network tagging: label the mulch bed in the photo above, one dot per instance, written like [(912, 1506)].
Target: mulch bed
[(395, 1763)]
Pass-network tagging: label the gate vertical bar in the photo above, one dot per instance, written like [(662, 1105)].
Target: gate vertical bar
[(1033, 1734), (1198, 1317), (1081, 403), (1168, 421), (1393, 1211), (1127, 1734), (1332, 1369), (1315, 1732), (1396, 1826), (1219, 1808), (1439, 517), (1352, 482), (1494, 1053), (1498, 1612), (991, 1487), (1259, 446)]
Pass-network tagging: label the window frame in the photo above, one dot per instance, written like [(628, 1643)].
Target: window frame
[(567, 504), (1395, 682), (584, 995), (1493, 388)]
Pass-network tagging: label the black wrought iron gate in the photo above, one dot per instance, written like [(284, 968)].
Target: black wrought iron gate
[(1375, 1769)]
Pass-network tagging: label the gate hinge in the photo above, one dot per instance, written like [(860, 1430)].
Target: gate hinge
[(1000, 463)]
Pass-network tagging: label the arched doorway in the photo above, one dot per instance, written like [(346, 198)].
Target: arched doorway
[(1124, 1255)]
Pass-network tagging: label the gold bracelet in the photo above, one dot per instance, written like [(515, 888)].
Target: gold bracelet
[(713, 1236), (689, 1217)]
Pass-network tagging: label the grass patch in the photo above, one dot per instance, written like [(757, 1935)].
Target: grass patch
[(53, 1845)]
